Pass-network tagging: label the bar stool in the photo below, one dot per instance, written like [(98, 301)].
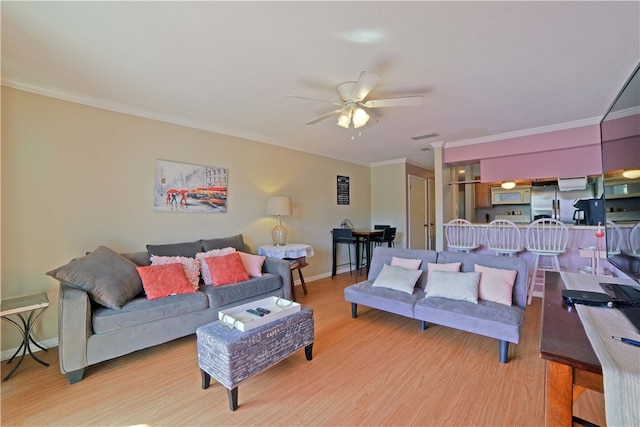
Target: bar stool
[(549, 238), (503, 237), (461, 236), (343, 236)]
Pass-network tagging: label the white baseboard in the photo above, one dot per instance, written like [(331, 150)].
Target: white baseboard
[(6, 354)]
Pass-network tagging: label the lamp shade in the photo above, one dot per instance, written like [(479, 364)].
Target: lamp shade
[(279, 205)]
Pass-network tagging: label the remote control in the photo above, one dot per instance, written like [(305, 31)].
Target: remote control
[(257, 313), (263, 310)]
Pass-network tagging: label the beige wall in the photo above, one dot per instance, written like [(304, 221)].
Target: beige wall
[(389, 198), (75, 177)]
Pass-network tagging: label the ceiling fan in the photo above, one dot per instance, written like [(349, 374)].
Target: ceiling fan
[(354, 107)]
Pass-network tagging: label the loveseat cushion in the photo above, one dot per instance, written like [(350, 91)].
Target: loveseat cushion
[(109, 278), (486, 318), (382, 298), (141, 310), (236, 241), (223, 295), (188, 249)]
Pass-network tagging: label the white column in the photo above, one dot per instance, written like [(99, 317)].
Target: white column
[(439, 190)]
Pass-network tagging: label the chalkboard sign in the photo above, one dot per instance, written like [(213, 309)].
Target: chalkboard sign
[(343, 190)]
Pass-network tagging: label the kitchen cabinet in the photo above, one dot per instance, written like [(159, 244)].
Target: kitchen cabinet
[(483, 195)]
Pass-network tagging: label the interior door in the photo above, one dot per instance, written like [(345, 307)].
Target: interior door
[(431, 214), (417, 212)]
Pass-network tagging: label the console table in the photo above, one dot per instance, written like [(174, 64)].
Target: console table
[(35, 305), (572, 365)]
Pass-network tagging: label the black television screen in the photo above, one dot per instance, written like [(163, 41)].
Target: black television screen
[(620, 136)]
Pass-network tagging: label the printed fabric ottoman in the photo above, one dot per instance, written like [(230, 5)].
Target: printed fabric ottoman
[(231, 356)]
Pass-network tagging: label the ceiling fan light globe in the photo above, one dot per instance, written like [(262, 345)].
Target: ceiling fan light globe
[(344, 119), (360, 118)]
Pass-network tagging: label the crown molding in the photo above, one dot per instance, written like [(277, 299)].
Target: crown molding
[(525, 132)]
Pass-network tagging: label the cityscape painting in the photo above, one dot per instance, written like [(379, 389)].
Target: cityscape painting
[(182, 187)]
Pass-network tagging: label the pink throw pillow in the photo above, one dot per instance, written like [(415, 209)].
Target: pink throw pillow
[(252, 263), (412, 264), (226, 269), (191, 266), (161, 281), (204, 268), (496, 284), (454, 266)]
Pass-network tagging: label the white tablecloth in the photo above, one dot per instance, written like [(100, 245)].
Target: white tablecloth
[(290, 250), (620, 362)]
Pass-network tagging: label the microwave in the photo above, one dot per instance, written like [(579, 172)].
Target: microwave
[(515, 196)]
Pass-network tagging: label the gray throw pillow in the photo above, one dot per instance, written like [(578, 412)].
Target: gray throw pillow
[(109, 278), (224, 242), (188, 249), (454, 285), (397, 278)]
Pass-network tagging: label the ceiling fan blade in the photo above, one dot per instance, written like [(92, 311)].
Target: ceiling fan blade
[(365, 83), (313, 99), (407, 101), (323, 117)]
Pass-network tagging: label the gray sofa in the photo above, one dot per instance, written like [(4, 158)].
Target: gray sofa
[(89, 332), (488, 318)]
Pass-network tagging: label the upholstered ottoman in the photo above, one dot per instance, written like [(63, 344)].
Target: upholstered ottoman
[(231, 356)]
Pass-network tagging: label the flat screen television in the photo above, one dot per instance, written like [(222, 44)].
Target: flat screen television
[(620, 141)]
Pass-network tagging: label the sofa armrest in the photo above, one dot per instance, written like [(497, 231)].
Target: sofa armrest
[(282, 268), (74, 328)]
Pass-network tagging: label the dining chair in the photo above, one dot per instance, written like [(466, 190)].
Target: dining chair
[(634, 242), (504, 237), (343, 236), (461, 236), (546, 237), (614, 238)]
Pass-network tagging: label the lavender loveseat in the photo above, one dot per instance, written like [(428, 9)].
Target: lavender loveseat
[(487, 318)]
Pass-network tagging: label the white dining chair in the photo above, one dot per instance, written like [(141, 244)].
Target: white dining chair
[(549, 238), (504, 237), (461, 236), (634, 242), (614, 238)]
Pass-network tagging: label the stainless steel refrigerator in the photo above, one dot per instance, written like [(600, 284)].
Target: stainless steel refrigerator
[(548, 202)]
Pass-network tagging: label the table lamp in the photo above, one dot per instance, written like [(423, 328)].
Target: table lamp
[(279, 205)]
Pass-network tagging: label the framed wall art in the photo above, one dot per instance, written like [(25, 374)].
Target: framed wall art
[(343, 190), (183, 187)]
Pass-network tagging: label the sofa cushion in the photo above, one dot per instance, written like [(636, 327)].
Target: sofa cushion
[(384, 255), (204, 268), (141, 310), (397, 278), (252, 263), (160, 281), (383, 298), (109, 278), (226, 269), (432, 267), (496, 284), (454, 285), (222, 295), (413, 264), (486, 318), (224, 242), (188, 249), (191, 266)]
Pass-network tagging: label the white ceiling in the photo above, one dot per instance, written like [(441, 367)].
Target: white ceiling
[(485, 70)]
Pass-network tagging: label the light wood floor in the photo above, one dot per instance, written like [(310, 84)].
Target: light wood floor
[(379, 369)]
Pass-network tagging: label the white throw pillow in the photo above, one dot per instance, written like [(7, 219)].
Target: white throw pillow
[(431, 267), (397, 278), (454, 285)]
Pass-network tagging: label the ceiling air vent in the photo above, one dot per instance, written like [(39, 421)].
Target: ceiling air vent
[(429, 135)]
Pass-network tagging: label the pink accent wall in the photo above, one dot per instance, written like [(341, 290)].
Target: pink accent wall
[(563, 153), (577, 161)]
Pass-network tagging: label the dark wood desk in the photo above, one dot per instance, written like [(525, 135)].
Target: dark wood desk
[(572, 365)]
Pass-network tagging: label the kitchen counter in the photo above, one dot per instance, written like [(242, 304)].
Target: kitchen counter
[(569, 226)]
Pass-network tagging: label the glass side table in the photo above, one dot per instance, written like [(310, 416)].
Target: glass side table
[(34, 305)]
